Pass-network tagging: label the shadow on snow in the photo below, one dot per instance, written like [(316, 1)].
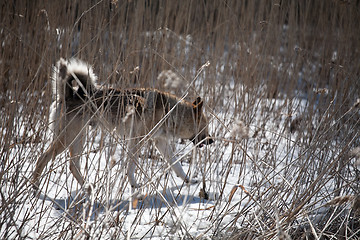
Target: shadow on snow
[(77, 202)]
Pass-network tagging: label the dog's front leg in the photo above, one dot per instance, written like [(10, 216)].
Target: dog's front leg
[(131, 172), (165, 149), (132, 157)]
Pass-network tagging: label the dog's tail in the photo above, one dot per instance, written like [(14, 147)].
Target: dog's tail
[(73, 78)]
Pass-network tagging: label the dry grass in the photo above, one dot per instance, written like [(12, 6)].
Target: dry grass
[(274, 66)]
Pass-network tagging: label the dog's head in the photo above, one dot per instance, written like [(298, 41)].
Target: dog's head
[(195, 127)]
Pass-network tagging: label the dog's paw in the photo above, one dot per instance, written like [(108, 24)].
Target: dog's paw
[(135, 186), (35, 190), (191, 181)]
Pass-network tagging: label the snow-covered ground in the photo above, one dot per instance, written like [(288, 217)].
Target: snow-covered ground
[(238, 166), (258, 177)]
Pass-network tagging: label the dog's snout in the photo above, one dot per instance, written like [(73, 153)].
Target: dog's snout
[(209, 140), (203, 141)]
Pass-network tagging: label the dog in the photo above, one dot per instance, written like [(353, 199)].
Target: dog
[(132, 113)]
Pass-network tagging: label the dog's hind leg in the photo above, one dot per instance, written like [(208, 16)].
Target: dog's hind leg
[(75, 150), (62, 141), (164, 148), (53, 150)]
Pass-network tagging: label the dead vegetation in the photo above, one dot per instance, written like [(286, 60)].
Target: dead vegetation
[(285, 74)]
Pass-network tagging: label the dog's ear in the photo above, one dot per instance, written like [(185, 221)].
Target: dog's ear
[(197, 104)]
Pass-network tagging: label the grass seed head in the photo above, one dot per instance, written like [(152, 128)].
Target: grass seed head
[(239, 130), (171, 81)]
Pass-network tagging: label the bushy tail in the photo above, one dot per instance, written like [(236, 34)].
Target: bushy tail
[(66, 77)]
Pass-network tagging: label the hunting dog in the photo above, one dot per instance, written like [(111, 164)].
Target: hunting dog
[(136, 114)]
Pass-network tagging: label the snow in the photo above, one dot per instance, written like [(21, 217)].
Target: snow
[(235, 172), (169, 208)]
